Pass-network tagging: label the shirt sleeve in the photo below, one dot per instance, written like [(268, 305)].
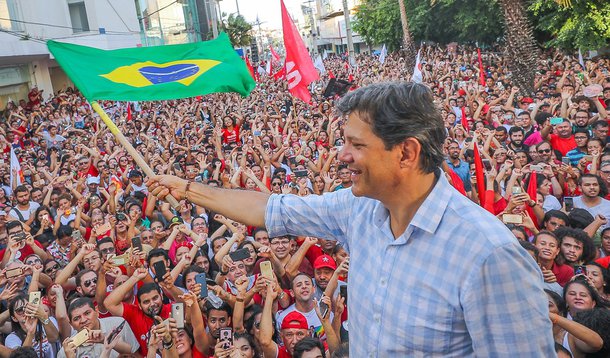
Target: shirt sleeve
[(129, 338), (12, 341), (503, 303), (324, 216)]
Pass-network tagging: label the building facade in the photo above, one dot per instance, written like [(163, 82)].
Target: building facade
[(25, 26)]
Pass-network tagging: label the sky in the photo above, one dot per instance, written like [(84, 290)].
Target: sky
[(268, 11)]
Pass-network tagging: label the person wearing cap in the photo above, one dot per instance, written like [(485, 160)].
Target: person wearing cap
[(293, 328), (93, 184), (324, 268), (424, 277)]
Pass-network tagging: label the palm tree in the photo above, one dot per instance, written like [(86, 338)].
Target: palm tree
[(522, 52), (238, 29), (407, 40)]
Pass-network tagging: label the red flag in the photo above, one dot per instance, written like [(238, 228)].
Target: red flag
[(532, 191), (456, 181), (481, 73), (331, 74), (464, 119), (300, 71), (276, 57), (129, 111), (280, 74), (250, 68), (478, 169), (350, 78)]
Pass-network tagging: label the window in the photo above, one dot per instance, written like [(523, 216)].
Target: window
[(9, 9), (78, 16)]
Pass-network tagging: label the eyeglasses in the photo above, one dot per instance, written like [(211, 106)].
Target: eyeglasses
[(52, 268), (20, 310), (33, 262), (580, 138), (281, 242), (109, 250), (540, 151), (88, 283)]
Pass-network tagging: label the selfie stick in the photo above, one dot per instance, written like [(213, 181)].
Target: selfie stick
[(130, 149)]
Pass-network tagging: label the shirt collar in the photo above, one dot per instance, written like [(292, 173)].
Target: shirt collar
[(429, 215)]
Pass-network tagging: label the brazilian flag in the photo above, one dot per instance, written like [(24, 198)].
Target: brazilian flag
[(154, 73)]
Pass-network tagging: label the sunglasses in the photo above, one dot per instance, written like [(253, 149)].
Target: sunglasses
[(88, 283), (544, 151), (109, 250), (276, 184), (52, 268)]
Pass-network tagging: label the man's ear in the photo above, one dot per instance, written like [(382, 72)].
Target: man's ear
[(291, 293), (410, 150)]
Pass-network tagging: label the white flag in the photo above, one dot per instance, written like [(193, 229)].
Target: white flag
[(417, 75), (383, 54), (325, 55), (261, 70), (580, 59), (319, 64), (15, 168), (268, 67)]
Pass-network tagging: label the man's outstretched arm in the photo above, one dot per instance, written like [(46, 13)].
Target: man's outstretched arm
[(245, 206)]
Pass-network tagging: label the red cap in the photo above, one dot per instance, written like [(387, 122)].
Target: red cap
[(527, 100), (325, 261), (295, 320)]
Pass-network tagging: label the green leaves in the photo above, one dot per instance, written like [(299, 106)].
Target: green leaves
[(238, 29), (585, 24)]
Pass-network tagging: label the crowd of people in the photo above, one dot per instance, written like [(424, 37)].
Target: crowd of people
[(86, 247)]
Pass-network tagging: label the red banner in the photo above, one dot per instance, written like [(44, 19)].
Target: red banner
[(300, 71), (481, 72)]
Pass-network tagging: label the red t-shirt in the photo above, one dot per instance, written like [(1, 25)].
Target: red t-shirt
[(23, 253), (230, 136), (564, 145), (563, 273), (604, 261), (141, 324)]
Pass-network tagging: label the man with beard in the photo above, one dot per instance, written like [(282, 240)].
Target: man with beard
[(141, 317), (516, 134), (302, 289), (460, 167), (592, 198), (324, 268), (581, 136), (83, 315), (24, 208)]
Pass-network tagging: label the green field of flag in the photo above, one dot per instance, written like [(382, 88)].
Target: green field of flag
[(154, 73)]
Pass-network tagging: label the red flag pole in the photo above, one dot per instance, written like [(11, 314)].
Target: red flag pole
[(532, 191), (481, 73), (478, 168)]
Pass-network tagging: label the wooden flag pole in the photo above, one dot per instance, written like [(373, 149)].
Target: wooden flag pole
[(130, 149)]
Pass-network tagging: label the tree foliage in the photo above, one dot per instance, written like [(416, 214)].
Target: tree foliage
[(585, 24), (238, 29), (443, 21)]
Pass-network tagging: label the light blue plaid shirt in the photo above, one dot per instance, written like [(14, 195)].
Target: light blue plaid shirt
[(455, 284)]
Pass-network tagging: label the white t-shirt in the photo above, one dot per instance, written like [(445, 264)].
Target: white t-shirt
[(24, 213), (12, 342), (95, 350), (603, 208)]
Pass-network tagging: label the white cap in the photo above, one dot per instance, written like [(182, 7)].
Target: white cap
[(93, 180)]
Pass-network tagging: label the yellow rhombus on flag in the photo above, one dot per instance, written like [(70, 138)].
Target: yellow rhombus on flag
[(154, 73)]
